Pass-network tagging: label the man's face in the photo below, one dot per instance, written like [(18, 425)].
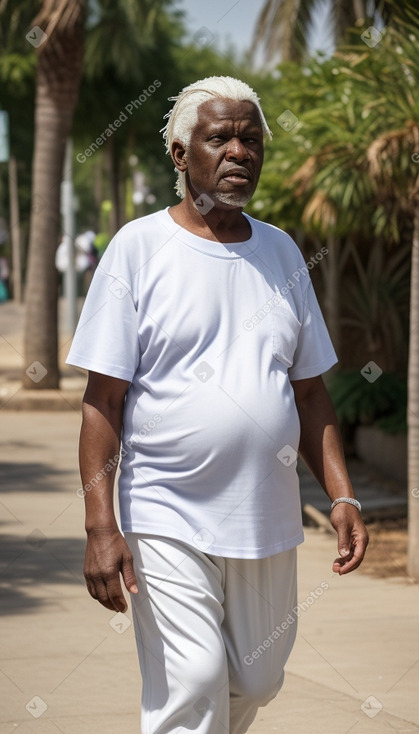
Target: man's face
[(225, 154)]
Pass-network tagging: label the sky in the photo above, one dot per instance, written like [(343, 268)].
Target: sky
[(233, 21), (228, 20)]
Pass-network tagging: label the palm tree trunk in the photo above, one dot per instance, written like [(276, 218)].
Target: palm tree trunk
[(332, 291), (57, 83), (413, 410)]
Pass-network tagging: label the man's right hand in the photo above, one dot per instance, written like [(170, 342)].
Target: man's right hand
[(107, 556)]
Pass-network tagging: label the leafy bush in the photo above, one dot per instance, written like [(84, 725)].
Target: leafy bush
[(359, 402)]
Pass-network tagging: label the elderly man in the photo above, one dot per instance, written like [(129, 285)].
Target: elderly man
[(205, 358)]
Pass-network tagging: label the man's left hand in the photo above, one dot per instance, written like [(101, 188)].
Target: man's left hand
[(352, 537)]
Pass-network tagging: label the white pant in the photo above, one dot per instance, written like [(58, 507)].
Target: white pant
[(209, 636)]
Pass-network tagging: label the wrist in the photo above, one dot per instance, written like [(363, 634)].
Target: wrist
[(102, 524), (102, 532), (345, 500)]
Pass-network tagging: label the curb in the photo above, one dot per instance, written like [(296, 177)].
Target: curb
[(43, 400)]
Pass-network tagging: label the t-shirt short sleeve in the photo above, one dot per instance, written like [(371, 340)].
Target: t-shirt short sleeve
[(106, 338), (314, 353)]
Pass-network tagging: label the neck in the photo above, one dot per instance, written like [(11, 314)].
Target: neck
[(220, 224)]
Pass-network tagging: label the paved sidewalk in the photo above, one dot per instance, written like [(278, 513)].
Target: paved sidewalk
[(68, 665)]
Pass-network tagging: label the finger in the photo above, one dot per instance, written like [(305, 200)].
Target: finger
[(343, 566), (91, 584), (128, 574), (115, 594), (91, 589), (342, 561), (97, 590), (355, 557), (344, 540)]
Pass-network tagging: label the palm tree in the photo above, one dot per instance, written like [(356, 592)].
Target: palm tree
[(392, 157), (388, 159), (117, 66), (413, 410), (58, 76), (17, 73), (121, 32), (317, 179), (283, 26)]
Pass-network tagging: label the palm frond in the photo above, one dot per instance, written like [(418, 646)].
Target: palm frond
[(60, 14), (281, 29), (320, 212)]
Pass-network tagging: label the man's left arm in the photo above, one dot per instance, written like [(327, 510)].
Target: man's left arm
[(321, 449)]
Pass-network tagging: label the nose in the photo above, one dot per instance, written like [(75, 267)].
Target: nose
[(236, 151)]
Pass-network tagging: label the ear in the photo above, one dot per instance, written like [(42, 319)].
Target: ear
[(178, 153)]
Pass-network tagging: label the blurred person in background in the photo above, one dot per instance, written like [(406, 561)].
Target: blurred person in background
[(86, 259), (4, 278)]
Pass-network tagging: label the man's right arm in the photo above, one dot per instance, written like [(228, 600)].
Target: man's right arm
[(107, 553)]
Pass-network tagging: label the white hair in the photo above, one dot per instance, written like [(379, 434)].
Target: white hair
[(183, 117)]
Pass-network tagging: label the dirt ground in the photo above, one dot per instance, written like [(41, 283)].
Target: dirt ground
[(387, 551)]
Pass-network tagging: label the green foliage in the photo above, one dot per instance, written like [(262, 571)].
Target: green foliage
[(323, 153), (196, 62), (106, 90), (101, 242), (319, 174), (128, 44), (359, 402), (17, 82), (394, 423), (377, 303), (119, 65), (345, 172), (17, 72), (283, 27), (118, 68)]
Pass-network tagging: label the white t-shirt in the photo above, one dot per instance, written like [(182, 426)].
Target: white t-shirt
[(209, 335)]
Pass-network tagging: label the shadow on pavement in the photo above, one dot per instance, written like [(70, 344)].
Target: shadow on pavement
[(29, 563), (32, 476)]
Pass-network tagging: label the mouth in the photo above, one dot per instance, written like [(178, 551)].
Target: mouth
[(238, 177)]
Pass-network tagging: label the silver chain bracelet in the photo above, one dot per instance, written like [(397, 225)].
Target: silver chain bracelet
[(348, 500)]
